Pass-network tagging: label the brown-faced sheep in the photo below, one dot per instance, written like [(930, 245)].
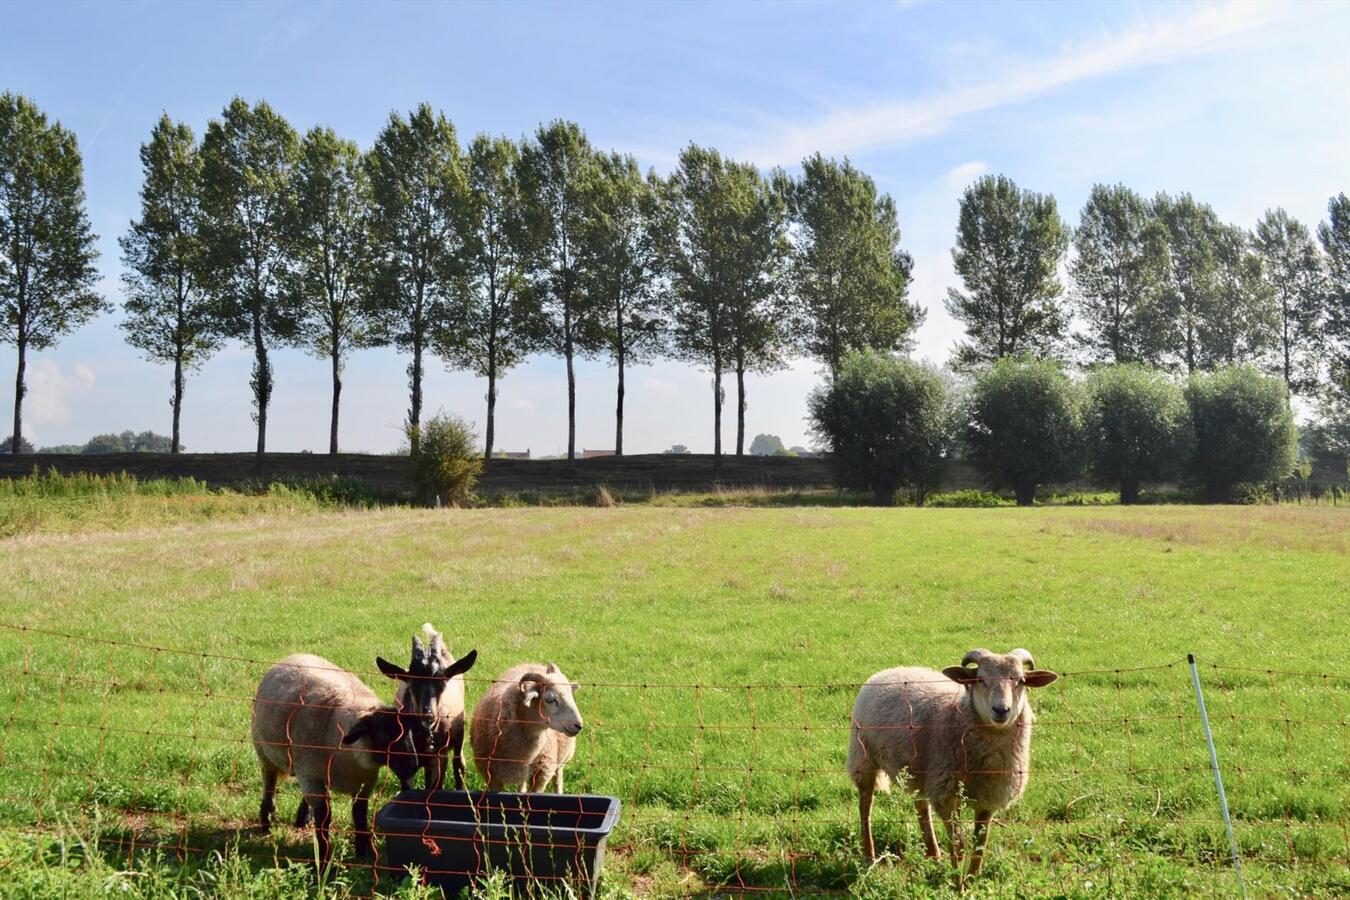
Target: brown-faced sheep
[(321, 724), (524, 729), (962, 734)]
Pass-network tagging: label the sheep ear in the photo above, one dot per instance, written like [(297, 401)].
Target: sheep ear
[(529, 690), (462, 665), (359, 730), (575, 687), (550, 669), (962, 675), (1039, 678), (389, 669)]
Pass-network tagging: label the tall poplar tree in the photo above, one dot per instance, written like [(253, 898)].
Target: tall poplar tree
[(1119, 263), (558, 167), (1334, 406), (1292, 268), (47, 250), (1242, 324), (849, 276), (620, 266), (248, 202), (169, 316), (1009, 243), (1191, 295), (418, 185), (498, 320), (332, 251)]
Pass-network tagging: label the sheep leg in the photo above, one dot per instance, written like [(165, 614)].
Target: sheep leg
[(865, 793), (983, 819), (951, 818), (269, 797), (930, 844), (361, 825), (559, 779), (435, 772), (302, 813), (323, 820), (457, 750)]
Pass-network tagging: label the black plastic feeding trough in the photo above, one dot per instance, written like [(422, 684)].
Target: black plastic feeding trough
[(538, 840)]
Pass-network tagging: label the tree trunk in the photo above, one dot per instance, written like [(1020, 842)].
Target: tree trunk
[(490, 433), (337, 393), (740, 410), (1129, 492), (1026, 493), (571, 403), (618, 409), (415, 400), (17, 446), (262, 382), (717, 414), (883, 496), (177, 446)]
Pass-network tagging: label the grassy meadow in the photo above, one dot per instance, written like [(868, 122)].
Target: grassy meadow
[(719, 651)]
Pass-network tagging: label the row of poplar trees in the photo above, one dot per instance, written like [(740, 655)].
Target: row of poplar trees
[(476, 255), (1161, 281)]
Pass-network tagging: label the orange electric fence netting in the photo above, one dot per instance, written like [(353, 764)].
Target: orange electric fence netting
[(742, 786)]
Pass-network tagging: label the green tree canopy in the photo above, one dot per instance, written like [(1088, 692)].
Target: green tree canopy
[(1024, 425), (1137, 427), (418, 190), (1241, 325), (248, 204), (1118, 268), (1244, 430), (767, 445), (1009, 243), (47, 253), (887, 423), (849, 276), (1334, 404)]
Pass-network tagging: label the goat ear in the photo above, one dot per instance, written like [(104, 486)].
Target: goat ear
[(462, 665), (390, 669), (962, 675), (1039, 678), (361, 729)]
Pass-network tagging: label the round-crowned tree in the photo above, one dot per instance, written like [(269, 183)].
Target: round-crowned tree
[(447, 462), (1138, 427), (1024, 426), (887, 424), (1244, 430)]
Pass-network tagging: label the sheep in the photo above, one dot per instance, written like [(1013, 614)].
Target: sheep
[(433, 687), (320, 723), (524, 729), (964, 732)]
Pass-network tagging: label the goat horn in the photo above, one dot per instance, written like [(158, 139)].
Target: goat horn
[(1025, 656), (974, 656)]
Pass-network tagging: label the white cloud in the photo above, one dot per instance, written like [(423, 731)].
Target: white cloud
[(51, 393), (964, 174), (1199, 30)]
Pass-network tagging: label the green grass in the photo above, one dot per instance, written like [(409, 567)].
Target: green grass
[(776, 613)]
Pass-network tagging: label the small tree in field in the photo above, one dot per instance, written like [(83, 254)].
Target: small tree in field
[(1025, 425), (887, 422), (447, 462), (767, 445), (1244, 430), (1138, 427)]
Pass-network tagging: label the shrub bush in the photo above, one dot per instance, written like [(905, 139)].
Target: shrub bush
[(447, 463), (1024, 426), (1137, 427), (1244, 431), (887, 423)]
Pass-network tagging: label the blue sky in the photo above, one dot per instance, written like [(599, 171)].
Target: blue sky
[(1245, 104)]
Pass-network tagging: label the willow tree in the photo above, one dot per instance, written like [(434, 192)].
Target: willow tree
[(169, 316), (47, 250), (849, 275), (248, 201), (417, 183)]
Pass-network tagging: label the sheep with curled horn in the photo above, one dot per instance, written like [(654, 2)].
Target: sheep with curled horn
[(432, 687), (962, 734)]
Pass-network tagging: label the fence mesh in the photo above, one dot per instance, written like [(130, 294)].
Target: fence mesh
[(728, 788)]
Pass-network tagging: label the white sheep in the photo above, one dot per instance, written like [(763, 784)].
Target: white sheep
[(433, 688), (524, 729), (960, 734), (320, 723)]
